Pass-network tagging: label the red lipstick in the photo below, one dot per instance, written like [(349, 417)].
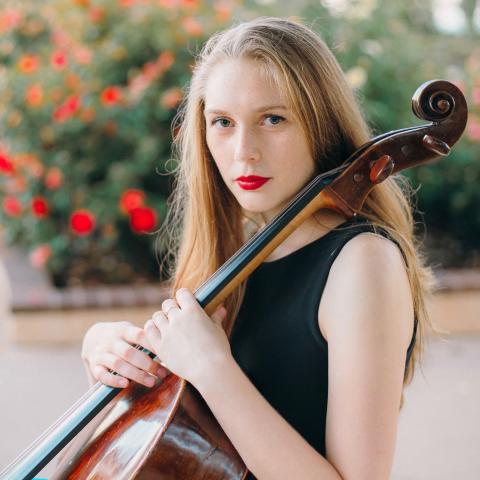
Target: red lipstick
[(252, 182)]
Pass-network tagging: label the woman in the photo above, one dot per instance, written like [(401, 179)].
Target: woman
[(337, 311)]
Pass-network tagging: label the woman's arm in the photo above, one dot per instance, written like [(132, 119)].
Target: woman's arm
[(367, 315), (369, 308)]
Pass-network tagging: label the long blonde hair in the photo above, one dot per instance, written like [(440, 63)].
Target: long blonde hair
[(206, 225)]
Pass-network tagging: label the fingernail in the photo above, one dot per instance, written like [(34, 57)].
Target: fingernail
[(123, 382), (150, 382)]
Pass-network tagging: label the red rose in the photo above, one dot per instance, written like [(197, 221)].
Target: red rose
[(58, 60), (61, 114), (142, 219), (67, 108), (34, 95), (6, 166), (54, 178), (11, 206), (130, 199), (72, 103), (111, 95), (28, 63), (39, 207), (82, 222)]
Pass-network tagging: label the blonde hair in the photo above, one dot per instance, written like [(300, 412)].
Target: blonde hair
[(206, 225)]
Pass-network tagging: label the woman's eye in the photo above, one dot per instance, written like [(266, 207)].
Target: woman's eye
[(223, 122), (275, 119)]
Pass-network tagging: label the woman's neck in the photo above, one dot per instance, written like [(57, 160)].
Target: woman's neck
[(310, 230)]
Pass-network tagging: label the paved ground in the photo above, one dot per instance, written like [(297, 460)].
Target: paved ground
[(438, 438), (439, 434)]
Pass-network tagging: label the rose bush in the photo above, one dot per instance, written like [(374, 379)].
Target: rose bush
[(90, 88)]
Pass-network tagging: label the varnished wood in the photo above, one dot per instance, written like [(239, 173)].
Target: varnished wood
[(176, 438)]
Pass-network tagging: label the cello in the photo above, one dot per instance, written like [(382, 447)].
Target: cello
[(167, 431)]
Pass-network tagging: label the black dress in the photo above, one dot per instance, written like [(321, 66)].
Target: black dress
[(276, 339)]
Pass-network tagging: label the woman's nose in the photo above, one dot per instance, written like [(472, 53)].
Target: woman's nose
[(246, 146)]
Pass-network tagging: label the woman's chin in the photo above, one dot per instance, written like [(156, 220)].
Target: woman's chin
[(262, 203), (257, 208)]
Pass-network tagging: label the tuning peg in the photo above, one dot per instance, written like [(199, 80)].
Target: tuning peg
[(436, 145), (380, 169)]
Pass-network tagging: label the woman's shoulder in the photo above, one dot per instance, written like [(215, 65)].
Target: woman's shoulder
[(367, 277), (367, 253)]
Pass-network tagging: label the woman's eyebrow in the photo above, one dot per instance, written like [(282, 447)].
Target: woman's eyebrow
[(260, 109)]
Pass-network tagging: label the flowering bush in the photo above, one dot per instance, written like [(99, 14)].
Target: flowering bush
[(89, 90)]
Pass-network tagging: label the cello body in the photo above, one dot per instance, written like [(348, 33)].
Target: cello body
[(177, 438)]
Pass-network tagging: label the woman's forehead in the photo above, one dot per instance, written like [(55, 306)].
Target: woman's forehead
[(234, 83)]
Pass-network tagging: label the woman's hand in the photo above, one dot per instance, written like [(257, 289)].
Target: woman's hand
[(186, 340), (110, 346)]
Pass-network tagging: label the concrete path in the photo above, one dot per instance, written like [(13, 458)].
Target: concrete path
[(439, 427)]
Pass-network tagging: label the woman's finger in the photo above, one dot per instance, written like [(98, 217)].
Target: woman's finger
[(136, 336), (154, 336), (168, 305), (163, 372), (108, 378), (135, 357), (160, 320), (120, 366), (186, 299)]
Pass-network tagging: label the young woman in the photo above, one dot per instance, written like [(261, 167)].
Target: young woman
[(336, 312)]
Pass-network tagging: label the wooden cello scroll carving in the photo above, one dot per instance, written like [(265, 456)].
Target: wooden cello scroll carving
[(438, 101)]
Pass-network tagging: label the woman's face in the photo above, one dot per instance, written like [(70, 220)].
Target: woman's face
[(251, 131)]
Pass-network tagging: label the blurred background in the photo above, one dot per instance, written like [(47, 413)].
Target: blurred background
[(88, 90)]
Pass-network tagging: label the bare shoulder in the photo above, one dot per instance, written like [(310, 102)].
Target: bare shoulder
[(368, 273)]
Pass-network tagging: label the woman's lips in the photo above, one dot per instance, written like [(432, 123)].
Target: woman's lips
[(252, 182)]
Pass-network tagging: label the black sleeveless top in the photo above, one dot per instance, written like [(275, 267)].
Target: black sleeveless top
[(276, 339)]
